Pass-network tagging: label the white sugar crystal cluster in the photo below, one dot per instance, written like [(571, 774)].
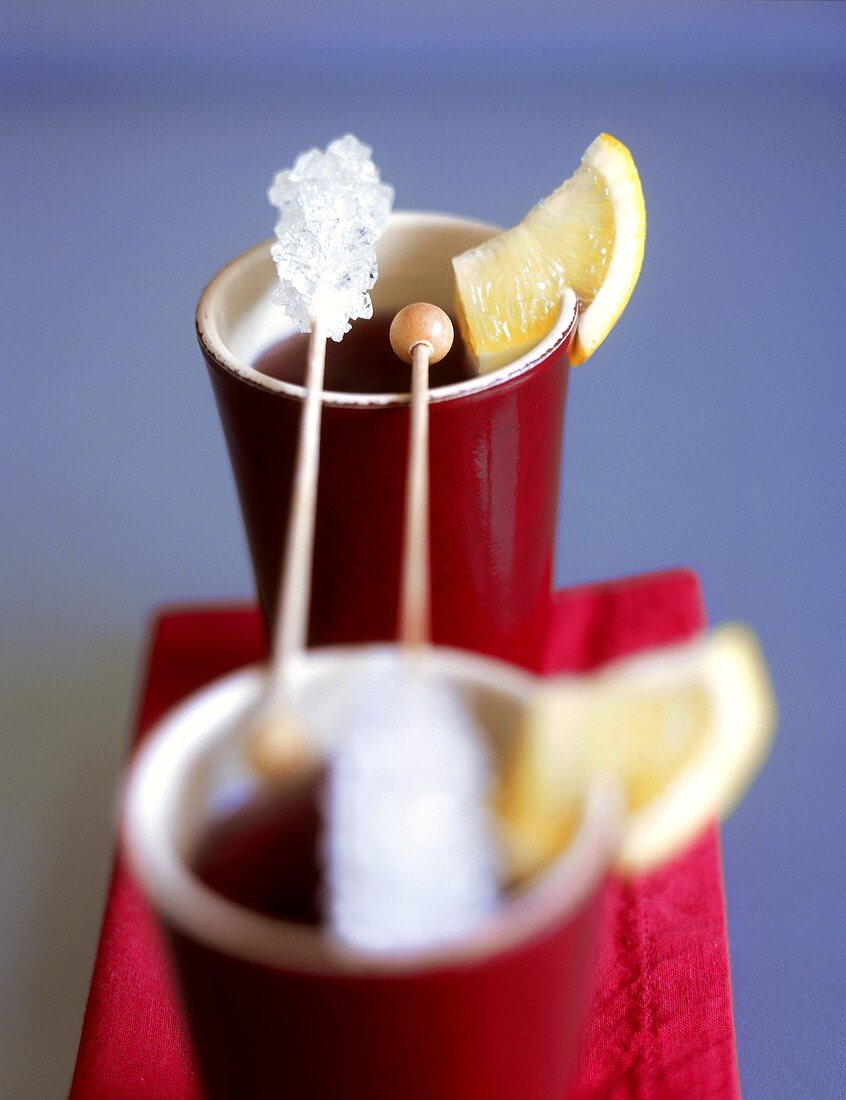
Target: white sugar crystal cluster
[(409, 843), (332, 210)]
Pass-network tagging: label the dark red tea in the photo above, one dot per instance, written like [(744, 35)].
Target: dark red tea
[(267, 858), (362, 362)]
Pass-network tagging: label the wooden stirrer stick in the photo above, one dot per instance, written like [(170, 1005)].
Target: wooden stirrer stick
[(279, 746), (421, 334), (295, 588)]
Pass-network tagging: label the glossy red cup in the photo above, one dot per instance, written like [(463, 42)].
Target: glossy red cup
[(495, 452), (281, 1010)]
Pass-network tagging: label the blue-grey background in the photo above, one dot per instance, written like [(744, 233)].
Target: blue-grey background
[(137, 143)]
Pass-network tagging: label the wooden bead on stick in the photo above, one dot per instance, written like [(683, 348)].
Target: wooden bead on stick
[(420, 334), (280, 747), (421, 323)]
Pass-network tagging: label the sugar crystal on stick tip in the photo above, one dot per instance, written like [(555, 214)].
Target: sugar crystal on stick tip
[(410, 858), (332, 209)]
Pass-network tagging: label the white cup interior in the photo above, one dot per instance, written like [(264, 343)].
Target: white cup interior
[(192, 773), (237, 319)]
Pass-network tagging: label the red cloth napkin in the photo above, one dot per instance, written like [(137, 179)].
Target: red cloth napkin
[(661, 1022)]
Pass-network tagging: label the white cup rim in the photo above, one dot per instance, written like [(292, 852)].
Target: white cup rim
[(193, 908), (401, 221)]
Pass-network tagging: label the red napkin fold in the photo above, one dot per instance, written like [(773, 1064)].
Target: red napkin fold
[(660, 1025)]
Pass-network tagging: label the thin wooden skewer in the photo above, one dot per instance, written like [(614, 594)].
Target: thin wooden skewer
[(414, 625), (295, 587), (278, 746), (421, 334)]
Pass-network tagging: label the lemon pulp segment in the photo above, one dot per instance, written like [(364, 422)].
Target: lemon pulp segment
[(587, 235), (683, 731)]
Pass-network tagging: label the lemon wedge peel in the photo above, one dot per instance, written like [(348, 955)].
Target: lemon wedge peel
[(716, 715), (614, 163), (711, 785)]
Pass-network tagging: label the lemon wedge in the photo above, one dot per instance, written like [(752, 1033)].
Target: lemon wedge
[(683, 731), (588, 235)]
